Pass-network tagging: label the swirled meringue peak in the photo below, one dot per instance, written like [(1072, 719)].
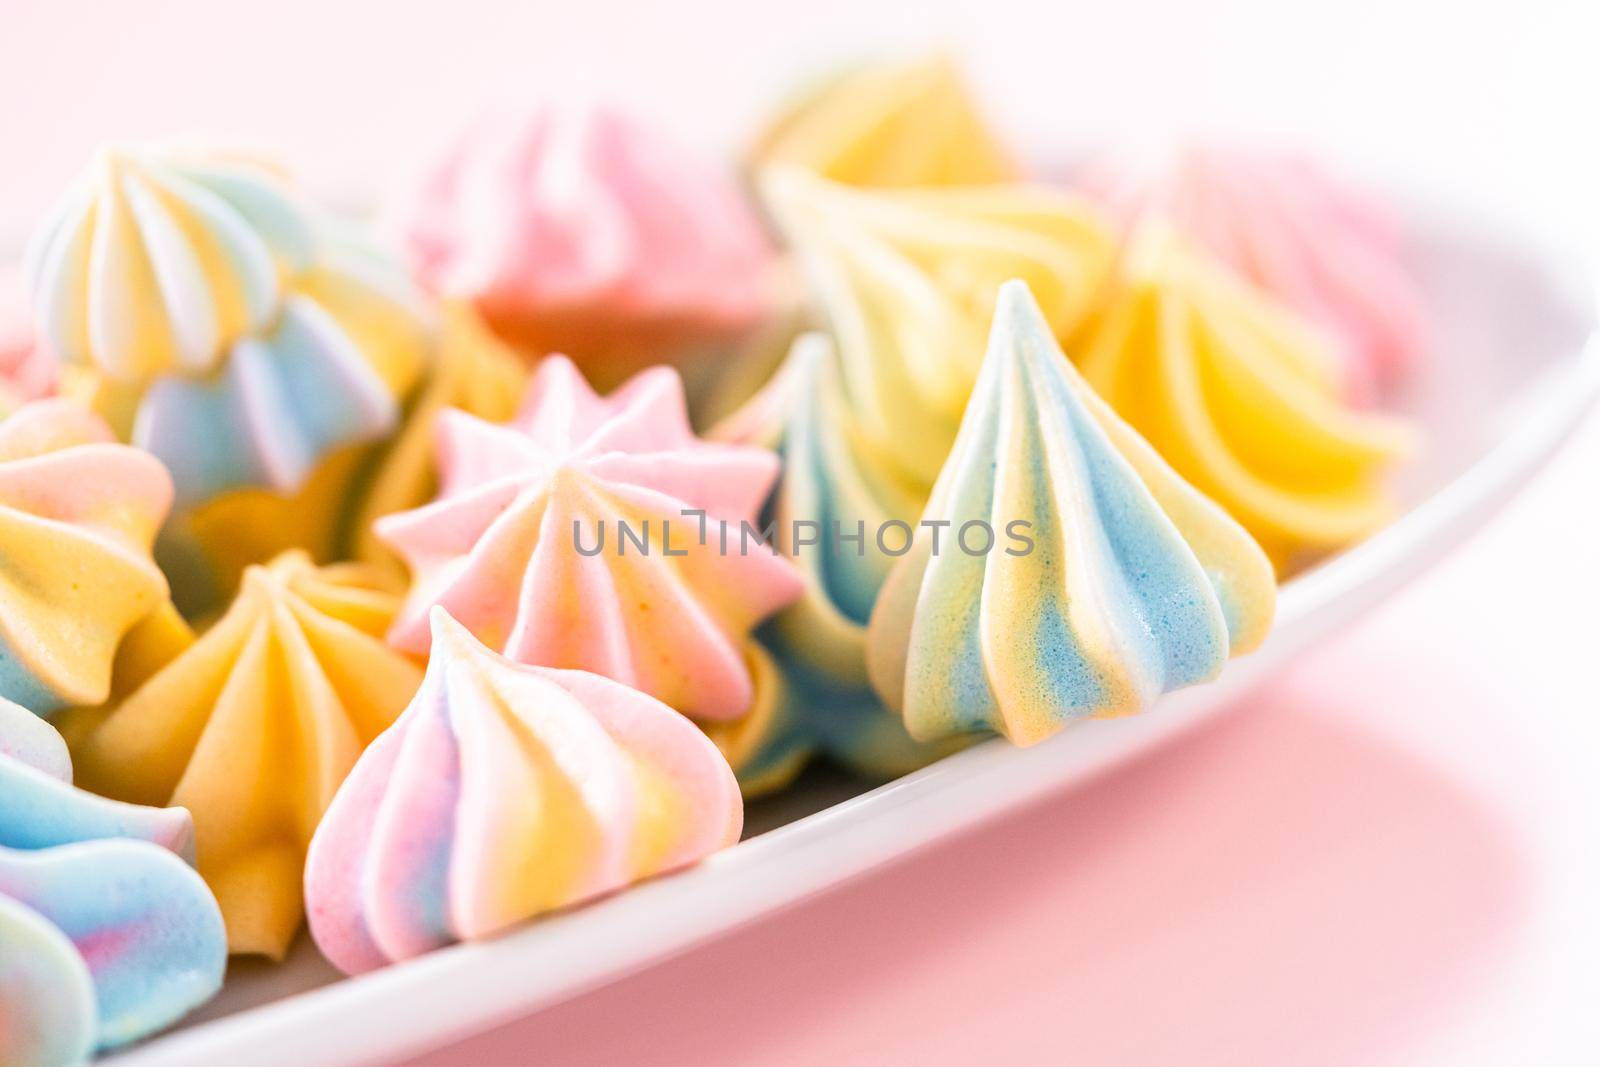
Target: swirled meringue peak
[(156, 261), (1236, 394), (575, 228), (1122, 582), (78, 514), (101, 943), (599, 533), (502, 792), (1326, 250), (253, 727), (907, 281), (894, 124)]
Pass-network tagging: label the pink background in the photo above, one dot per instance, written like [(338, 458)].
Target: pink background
[(1388, 857)]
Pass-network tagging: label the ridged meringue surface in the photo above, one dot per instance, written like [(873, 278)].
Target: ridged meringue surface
[(1130, 584), (156, 262), (502, 792), (661, 609), (78, 514), (906, 280), (1236, 394), (253, 727), (1328, 251), (575, 228), (903, 123)]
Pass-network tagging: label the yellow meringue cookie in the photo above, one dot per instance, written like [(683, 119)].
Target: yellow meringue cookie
[(1241, 398), (254, 727), (905, 123), (907, 281), (473, 371)]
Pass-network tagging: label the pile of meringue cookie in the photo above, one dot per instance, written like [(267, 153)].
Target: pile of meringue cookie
[(302, 615)]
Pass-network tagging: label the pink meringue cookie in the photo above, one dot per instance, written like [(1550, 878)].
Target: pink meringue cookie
[(1285, 225), (528, 542), (576, 228), (503, 792)]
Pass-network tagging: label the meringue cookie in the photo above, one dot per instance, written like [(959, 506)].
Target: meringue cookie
[(907, 278), (502, 792), (474, 372), (577, 229), (156, 262), (101, 943), (39, 808), (1235, 393), (895, 124), (1283, 224), (1122, 582), (78, 514), (528, 544), (254, 726)]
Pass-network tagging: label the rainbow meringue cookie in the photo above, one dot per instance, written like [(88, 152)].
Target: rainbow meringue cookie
[(829, 508), (899, 124), (1241, 397), (253, 727), (105, 934), (78, 514), (1061, 569), (503, 792), (599, 533), (577, 229), (197, 298), (1282, 223), (906, 280)]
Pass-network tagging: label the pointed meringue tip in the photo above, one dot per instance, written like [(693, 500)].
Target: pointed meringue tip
[(445, 630), (1015, 308)]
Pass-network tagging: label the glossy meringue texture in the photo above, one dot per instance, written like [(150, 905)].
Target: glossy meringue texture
[(105, 934), (824, 702), (1238, 394), (195, 296), (501, 793), (905, 123), (906, 281), (254, 726), (473, 371), (528, 543), (1281, 222), (577, 228), (1124, 584), (78, 514)]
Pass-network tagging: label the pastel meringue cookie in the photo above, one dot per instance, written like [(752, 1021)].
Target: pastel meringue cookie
[(598, 533), (27, 368), (156, 262), (905, 123), (196, 297), (503, 792), (1077, 574), (906, 281), (39, 808), (101, 943), (254, 726), (1327, 250), (475, 372), (1237, 394), (78, 515), (576, 228)]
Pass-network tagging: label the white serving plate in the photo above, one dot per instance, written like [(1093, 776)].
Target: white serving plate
[(1516, 364)]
